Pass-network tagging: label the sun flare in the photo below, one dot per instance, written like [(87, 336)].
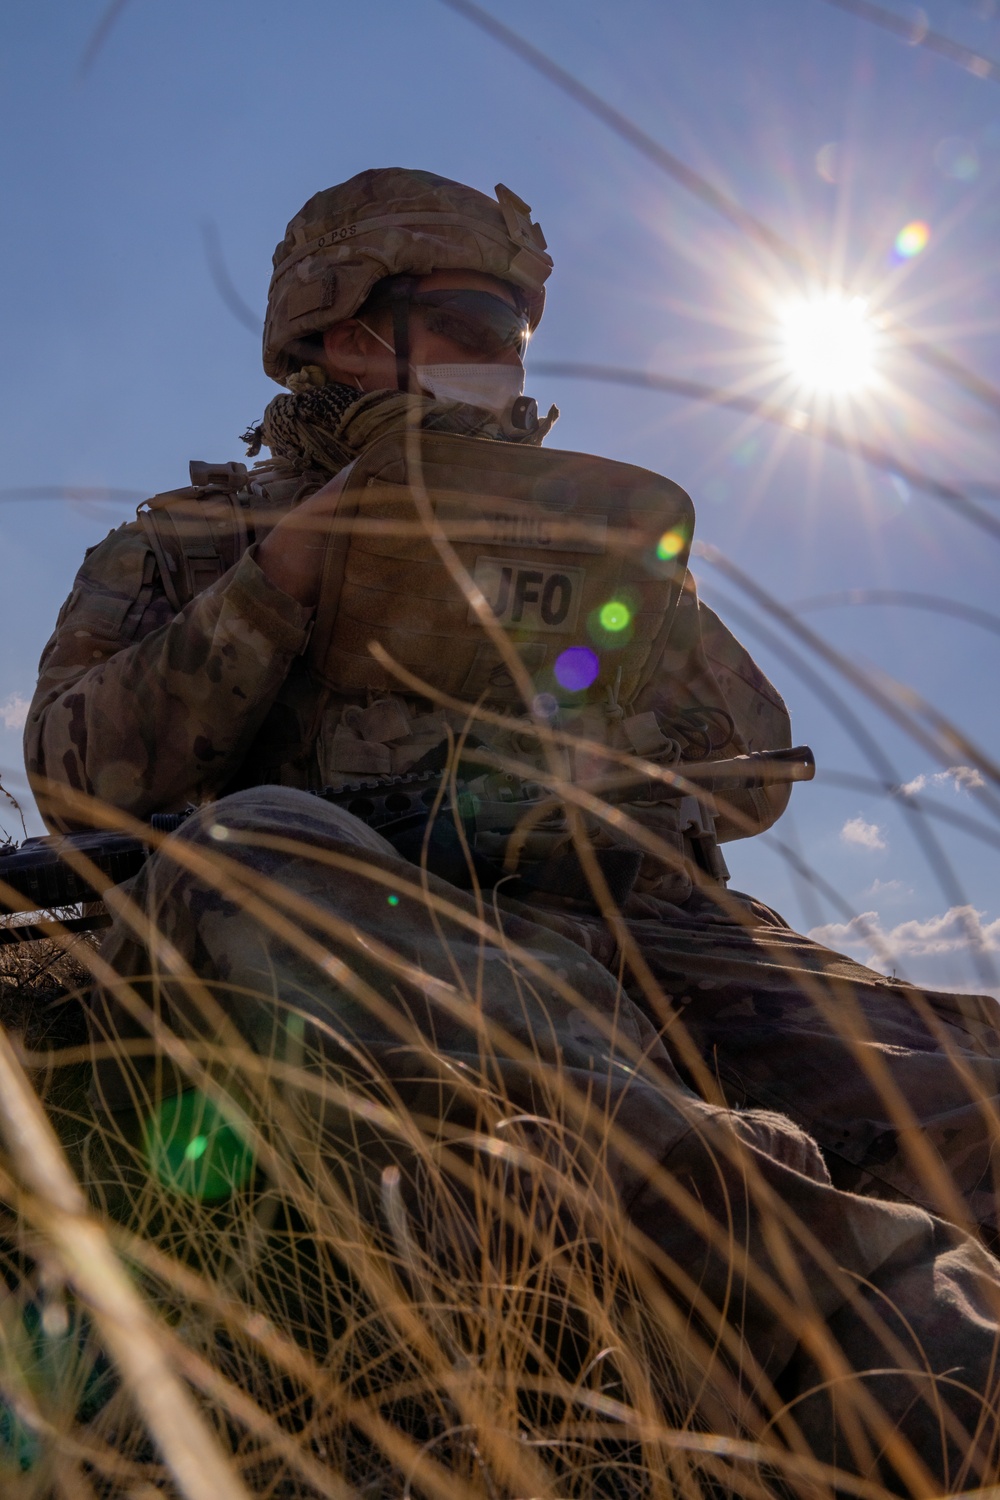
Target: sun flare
[(829, 342)]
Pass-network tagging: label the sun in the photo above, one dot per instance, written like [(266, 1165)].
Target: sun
[(829, 342)]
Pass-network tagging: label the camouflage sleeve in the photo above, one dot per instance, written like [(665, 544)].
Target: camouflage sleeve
[(149, 710), (706, 668), (761, 721)]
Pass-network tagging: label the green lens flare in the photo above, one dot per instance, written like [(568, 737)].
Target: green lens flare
[(615, 615), (671, 543), (193, 1150)]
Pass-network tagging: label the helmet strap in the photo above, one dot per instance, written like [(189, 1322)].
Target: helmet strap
[(399, 302)]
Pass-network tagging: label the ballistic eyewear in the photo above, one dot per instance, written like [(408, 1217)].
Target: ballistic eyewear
[(480, 322), (477, 321)]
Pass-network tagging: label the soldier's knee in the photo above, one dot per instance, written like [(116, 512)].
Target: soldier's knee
[(282, 811), (257, 804), (782, 1140)]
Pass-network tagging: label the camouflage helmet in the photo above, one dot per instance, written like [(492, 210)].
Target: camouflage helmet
[(382, 223)]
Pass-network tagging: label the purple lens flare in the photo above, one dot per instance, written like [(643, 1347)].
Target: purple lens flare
[(576, 668)]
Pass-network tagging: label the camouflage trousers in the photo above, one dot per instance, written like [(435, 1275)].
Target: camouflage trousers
[(687, 1101), (862, 1062)]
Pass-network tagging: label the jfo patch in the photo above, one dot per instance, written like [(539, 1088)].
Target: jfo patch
[(524, 596)]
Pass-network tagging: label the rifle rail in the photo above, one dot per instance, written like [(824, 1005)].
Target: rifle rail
[(39, 874)]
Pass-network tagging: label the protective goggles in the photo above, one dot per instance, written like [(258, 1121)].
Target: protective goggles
[(477, 321), (480, 322)]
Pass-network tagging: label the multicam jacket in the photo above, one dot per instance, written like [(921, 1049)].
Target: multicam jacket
[(149, 709)]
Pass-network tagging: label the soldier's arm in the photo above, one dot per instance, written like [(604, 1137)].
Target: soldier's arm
[(706, 668), (761, 718), (148, 710)]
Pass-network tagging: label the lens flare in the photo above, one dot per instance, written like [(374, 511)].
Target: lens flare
[(576, 668), (193, 1150), (544, 706), (615, 615), (957, 158), (670, 545), (830, 342), (912, 238)]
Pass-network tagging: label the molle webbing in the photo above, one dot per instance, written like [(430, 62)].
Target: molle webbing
[(550, 538), (196, 534)]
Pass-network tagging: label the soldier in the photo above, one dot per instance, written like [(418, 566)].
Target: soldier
[(183, 670)]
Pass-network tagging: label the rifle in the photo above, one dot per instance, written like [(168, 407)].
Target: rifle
[(43, 874)]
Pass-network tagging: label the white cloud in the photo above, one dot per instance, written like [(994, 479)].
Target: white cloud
[(935, 952), (858, 932), (880, 887), (867, 835), (14, 711), (962, 778), (957, 930)]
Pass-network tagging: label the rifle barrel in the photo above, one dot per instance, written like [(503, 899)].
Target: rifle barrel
[(739, 773), (40, 875)]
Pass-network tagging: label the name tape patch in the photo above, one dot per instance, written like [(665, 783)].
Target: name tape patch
[(532, 529), (493, 521), (526, 597)]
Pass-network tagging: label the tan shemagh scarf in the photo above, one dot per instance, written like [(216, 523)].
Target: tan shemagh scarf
[(324, 427)]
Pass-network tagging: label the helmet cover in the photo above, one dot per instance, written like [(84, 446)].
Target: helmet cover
[(386, 222)]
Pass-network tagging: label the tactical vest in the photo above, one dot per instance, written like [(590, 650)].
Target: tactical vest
[(567, 551), (450, 564), (197, 533), (576, 564)]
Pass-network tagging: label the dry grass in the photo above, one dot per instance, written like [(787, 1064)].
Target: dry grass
[(331, 1357), (423, 1276), (392, 1301)]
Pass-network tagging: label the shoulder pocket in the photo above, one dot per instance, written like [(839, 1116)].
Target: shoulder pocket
[(108, 585)]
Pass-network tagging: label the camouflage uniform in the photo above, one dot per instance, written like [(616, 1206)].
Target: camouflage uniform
[(477, 1032), (149, 709), (149, 712)]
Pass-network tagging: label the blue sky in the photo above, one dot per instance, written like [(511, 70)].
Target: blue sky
[(122, 361)]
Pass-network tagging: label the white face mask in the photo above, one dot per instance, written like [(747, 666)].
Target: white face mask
[(493, 387)]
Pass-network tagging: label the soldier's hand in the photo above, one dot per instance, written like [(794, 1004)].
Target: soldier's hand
[(291, 556)]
